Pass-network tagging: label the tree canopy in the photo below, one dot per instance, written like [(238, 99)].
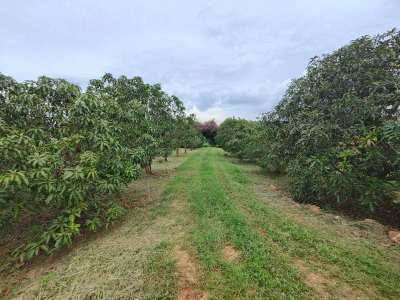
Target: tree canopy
[(336, 131), (66, 152)]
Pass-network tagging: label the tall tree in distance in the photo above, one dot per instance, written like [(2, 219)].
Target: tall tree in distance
[(209, 130)]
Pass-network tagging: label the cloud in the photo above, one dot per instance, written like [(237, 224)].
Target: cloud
[(212, 113), (222, 58)]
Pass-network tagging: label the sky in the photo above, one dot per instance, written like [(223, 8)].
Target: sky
[(222, 58)]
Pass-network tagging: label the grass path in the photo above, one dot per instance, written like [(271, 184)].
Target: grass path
[(216, 229)]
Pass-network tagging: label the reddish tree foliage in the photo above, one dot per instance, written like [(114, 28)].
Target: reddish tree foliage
[(208, 126), (209, 130)]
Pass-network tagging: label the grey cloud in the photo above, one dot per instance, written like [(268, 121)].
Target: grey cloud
[(220, 57)]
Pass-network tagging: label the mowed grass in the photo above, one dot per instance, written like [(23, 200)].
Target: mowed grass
[(260, 271), (276, 254), (236, 243), (361, 265)]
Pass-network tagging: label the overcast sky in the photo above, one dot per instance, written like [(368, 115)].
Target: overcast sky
[(222, 58)]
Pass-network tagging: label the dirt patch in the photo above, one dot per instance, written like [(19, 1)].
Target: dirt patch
[(192, 294), (35, 273), (164, 221), (274, 188), (263, 232), (321, 284), (316, 281), (394, 236), (230, 253), (187, 279), (185, 266), (178, 205), (369, 224), (313, 208)]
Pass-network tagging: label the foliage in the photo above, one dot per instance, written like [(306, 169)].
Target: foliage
[(65, 153), (336, 130), (209, 130), (186, 135), (192, 137), (240, 137)]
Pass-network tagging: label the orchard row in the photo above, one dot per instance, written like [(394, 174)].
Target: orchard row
[(65, 152), (336, 132)]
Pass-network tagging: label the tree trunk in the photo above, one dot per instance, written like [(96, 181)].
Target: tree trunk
[(177, 151), (148, 170)]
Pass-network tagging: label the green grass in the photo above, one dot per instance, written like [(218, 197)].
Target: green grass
[(210, 203), (160, 274), (362, 265), (228, 212), (261, 271)]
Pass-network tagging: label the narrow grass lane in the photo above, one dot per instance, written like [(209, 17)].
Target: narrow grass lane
[(208, 227), (274, 257), (259, 270)]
